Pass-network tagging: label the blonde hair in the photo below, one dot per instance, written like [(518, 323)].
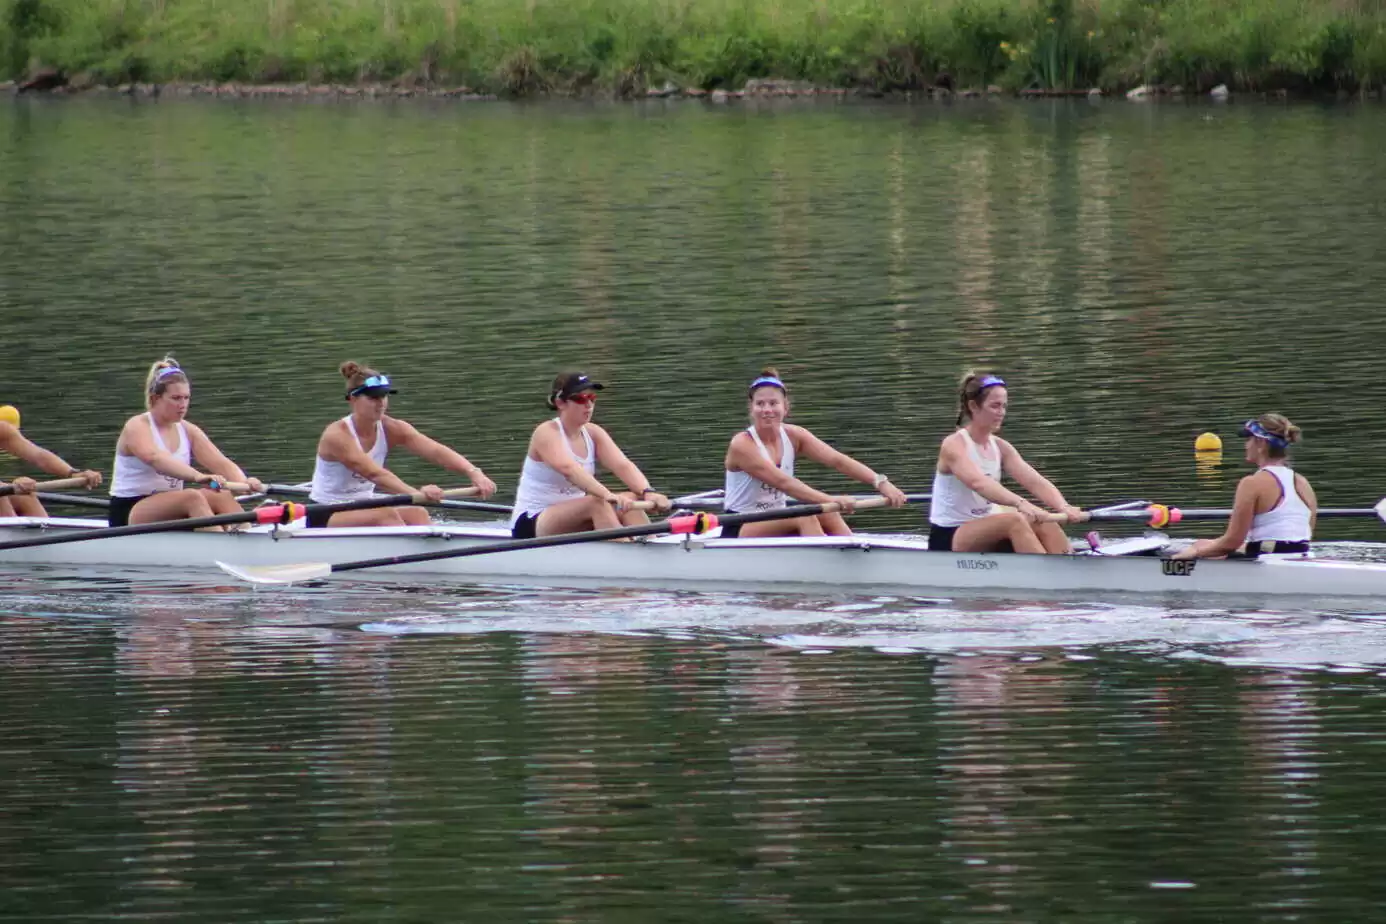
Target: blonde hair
[(970, 388), (161, 375), (1279, 425)]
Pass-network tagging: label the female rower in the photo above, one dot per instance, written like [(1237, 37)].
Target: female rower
[(760, 469), (352, 452), (23, 503), (967, 481), (1275, 509), (155, 455), (559, 491)]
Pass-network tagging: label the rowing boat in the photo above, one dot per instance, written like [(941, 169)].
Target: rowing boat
[(859, 563)]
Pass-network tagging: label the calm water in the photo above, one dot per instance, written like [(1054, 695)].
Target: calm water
[(362, 751)]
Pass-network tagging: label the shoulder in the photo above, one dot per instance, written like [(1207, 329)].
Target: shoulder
[(798, 434), (396, 428), (598, 432), (192, 428)]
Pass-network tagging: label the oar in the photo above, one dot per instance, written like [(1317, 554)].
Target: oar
[(74, 500), (1159, 516), (301, 490), (60, 484), (272, 514), (684, 523)]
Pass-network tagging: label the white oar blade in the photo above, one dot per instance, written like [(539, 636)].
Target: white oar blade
[(1381, 509), (278, 574)]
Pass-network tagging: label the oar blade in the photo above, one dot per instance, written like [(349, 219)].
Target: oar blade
[(1380, 509), (278, 574)]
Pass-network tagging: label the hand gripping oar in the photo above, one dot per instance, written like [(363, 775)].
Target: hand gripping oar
[(282, 514), (300, 490), (8, 489), (689, 523)]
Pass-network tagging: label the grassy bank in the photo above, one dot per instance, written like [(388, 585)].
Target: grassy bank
[(573, 46)]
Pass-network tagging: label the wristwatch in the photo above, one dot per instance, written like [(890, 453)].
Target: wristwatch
[(880, 480), (643, 491)]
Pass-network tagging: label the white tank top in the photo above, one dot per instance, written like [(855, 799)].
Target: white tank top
[(541, 485), (334, 483), (1288, 520), (745, 494), (954, 503), (131, 477)]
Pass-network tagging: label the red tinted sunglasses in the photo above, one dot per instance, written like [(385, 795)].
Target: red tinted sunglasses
[(586, 397)]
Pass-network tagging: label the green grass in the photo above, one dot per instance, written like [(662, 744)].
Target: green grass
[(525, 47)]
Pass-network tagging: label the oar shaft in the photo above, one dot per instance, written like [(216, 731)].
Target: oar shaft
[(223, 519), (598, 535), (75, 500)]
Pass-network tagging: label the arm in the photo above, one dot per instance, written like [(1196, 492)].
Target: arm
[(806, 444), (1238, 525), (15, 443), (1311, 500), (1039, 486), (205, 453), (407, 436), (549, 446), (336, 445), (139, 442), (742, 456), (610, 457)]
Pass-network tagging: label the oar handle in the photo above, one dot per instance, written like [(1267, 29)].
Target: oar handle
[(471, 491), (62, 484)]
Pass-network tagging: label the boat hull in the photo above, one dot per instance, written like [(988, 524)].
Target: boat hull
[(859, 563)]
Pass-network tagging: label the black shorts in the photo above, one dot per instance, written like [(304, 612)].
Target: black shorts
[(1276, 547), (941, 540), (526, 527), (317, 517), (733, 530), (118, 514)]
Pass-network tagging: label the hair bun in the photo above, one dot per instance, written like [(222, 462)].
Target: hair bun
[(349, 368), (770, 372)]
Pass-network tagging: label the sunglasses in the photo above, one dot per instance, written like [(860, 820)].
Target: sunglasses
[(586, 397)]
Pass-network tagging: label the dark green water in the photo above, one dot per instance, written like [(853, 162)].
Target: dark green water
[(174, 750)]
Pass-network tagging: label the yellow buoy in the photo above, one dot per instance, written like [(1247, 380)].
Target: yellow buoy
[(1208, 442), (9, 414)]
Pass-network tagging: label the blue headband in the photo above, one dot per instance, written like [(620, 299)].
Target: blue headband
[(989, 380), (772, 381), (1252, 428)]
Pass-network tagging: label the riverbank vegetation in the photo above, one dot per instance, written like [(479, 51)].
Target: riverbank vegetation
[(528, 47)]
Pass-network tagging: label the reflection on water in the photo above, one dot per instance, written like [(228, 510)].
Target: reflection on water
[(364, 750), (1019, 767)]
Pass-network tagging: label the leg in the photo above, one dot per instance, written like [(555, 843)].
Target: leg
[(986, 533), (414, 516), (575, 516), (798, 526), (6, 508), (221, 501), (26, 505), (833, 524), (186, 504), (1053, 538), (383, 516)]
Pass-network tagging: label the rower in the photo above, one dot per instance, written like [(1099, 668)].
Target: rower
[(967, 481), (1275, 509), (23, 503), (559, 491), (760, 469), (352, 452), (155, 455)]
